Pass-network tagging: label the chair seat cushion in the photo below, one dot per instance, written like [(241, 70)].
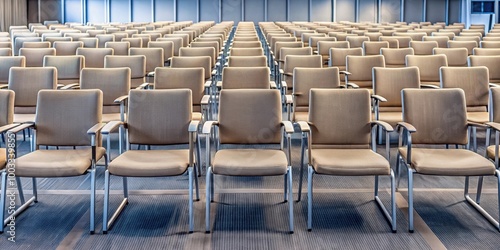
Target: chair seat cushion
[(3, 158), (56, 163), (391, 117), (350, 162), (451, 162), (478, 117), (250, 162), (24, 118), (149, 163)]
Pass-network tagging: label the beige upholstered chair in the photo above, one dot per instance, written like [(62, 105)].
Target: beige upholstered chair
[(36, 45), (168, 49), (393, 42), (204, 62), (160, 117), (242, 126), (102, 39), (59, 123), (325, 46), (357, 41), (183, 52), (177, 43), (371, 48), (246, 52), (428, 67), (135, 42), (491, 62), (456, 57), (396, 58), (291, 62), (154, 58), (137, 65), (94, 58), (423, 111), (485, 52), (7, 62), (360, 69), (6, 123), (119, 48), (338, 57), (89, 42), (247, 61), (340, 130), (34, 56), (441, 40), (252, 44), (492, 151), (19, 43), (67, 48), (469, 45), (68, 68), (423, 47)]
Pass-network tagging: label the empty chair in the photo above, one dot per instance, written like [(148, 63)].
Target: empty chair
[(247, 61), (134, 42), (119, 48), (154, 57), (51, 40), (246, 52), (94, 57), (423, 47), (34, 56), (204, 62), (177, 43), (265, 115), (167, 46), (5, 52), (7, 62), (246, 78), (441, 40), (357, 41), (313, 41), (423, 111), (36, 45), (489, 44), (19, 41), (89, 42), (67, 48), (136, 63), (254, 44), (393, 42), (58, 123), (491, 62), (68, 68), (428, 67), (338, 58), (339, 142), (200, 52), (291, 62), (325, 46), (103, 39), (486, 52), (469, 45), (373, 47), (360, 69), (456, 57)]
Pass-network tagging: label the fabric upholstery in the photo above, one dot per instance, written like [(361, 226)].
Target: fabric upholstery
[(177, 43), (26, 82), (388, 82), (249, 162), (428, 66), (247, 52), (352, 162), (6, 109), (67, 48), (423, 47), (167, 46), (361, 67), (34, 56), (6, 62), (396, 58), (473, 80), (439, 115), (56, 163), (148, 163), (456, 57), (154, 57), (470, 45), (94, 58), (149, 120), (247, 61), (451, 162), (495, 104), (245, 78), (338, 56), (191, 78), (250, 116), (373, 47), (68, 67), (209, 51), (113, 82), (193, 62), (491, 62), (119, 48), (441, 40), (59, 116)]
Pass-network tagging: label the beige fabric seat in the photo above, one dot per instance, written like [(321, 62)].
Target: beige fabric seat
[(423, 47), (339, 131), (63, 128), (239, 125), (373, 47), (119, 48), (159, 117), (423, 111), (428, 67)]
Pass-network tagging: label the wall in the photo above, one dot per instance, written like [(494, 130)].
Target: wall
[(246, 10)]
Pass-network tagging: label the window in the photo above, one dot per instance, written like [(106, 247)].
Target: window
[(479, 7)]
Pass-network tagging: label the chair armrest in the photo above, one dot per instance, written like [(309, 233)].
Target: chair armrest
[(207, 126), (352, 85), (491, 85), (273, 85), (288, 99), (193, 126), (71, 86), (304, 126), (20, 128), (387, 127), (111, 126), (288, 127), (151, 74), (406, 126), (493, 125), (8, 127), (315, 52), (429, 86), (4, 86), (283, 85), (345, 72), (121, 99), (379, 98), (143, 86), (214, 72), (281, 71), (205, 100), (208, 84), (475, 124), (96, 128), (219, 84)]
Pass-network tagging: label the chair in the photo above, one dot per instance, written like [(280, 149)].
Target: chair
[(393, 42), (325, 46), (103, 39), (168, 49), (239, 125), (357, 41), (119, 48), (34, 56), (177, 43), (154, 58), (291, 62), (338, 137), (360, 69), (68, 68), (200, 52), (137, 65), (204, 62), (58, 123), (94, 58), (246, 78), (441, 40), (492, 150), (456, 57), (247, 61), (6, 123), (423, 111), (338, 58), (89, 42), (7, 62), (159, 129), (423, 48), (485, 52), (470, 45), (67, 48), (371, 48), (135, 42), (114, 83), (490, 62), (246, 52), (428, 67), (254, 44), (36, 45), (19, 41)]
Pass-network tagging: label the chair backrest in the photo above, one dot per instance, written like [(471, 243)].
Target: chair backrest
[(177, 43), (245, 78), (338, 56), (103, 39), (428, 66), (135, 42), (258, 125), (34, 56), (361, 67), (441, 40), (26, 82), (113, 82), (199, 52), (154, 57), (489, 44), (325, 46), (485, 52), (304, 51), (252, 44), (68, 67), (456, 57), (19, 41), (247, 61), (119, 48), (439, 115), (279, 45), (137, 65), (167, 46), (473, 81), (94, 58), (357, 41), (494, 107), (388, 82), (470, 45), (335, 110), (247, 52), (393, 42), (6, 107), (423, 47), (373, 47), (305, 79), (59, 116), (67, 48), (204, 62), (404, 41), (178, 78), (36, 45), (293, 61), (491, 62), (159, 117), (7, 62)]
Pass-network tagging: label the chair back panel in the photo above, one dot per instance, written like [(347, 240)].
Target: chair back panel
[(6, 107), (388, 82), (245, 77), (191, 78), (113, 82), (473, 80), (26, 82), (305, 79)]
